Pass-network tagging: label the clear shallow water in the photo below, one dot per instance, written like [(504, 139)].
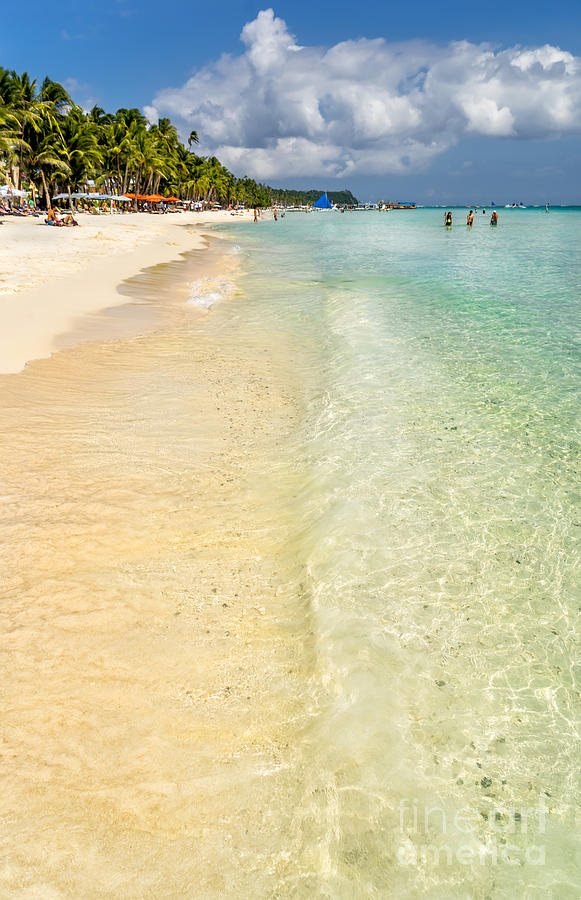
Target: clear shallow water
[(293, 583), (434, 486)]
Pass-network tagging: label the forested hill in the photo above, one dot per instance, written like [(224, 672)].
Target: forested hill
[(307, 198)]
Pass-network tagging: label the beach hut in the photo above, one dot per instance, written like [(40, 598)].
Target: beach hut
[(323, 202)]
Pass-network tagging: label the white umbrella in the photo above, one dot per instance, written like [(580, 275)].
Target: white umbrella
[(7, 191)]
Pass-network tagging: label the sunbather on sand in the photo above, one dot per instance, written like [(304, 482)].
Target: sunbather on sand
[(52, 218)]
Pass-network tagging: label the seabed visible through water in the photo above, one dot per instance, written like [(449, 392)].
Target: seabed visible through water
[(292, 583)]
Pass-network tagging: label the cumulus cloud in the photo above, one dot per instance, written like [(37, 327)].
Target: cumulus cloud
[(367, 106)]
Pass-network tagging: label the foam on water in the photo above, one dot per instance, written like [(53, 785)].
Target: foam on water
[(205, 292)]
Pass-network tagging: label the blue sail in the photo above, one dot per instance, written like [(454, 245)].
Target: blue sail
[(323, 202)]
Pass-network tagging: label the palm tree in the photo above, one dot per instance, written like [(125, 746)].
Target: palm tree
[(77, 147), (42, 158), (44, 135)]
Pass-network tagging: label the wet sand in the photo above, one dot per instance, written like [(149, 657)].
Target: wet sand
[(151, 660)]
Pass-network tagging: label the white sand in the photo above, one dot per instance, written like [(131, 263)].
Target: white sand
[(49, 277), (155, 643)]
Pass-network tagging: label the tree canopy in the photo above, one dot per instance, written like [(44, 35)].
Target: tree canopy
[(49, 144)]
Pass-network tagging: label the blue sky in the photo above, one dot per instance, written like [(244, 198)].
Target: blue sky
[(163, 57)]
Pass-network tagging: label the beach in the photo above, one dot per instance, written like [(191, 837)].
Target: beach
[(290, 521), (52, 277), (151, 658)]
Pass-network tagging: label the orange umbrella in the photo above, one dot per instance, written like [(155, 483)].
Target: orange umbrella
[(154, 198), (173, 199)]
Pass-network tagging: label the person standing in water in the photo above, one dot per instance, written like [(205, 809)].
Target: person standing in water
[(448, 220), (494, 219), (470, 219)]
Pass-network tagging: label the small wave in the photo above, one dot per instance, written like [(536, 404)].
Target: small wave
[(205, 292)]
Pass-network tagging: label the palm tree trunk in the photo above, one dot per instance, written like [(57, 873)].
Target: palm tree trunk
[(46, 190), (125, 175), (136, 188)]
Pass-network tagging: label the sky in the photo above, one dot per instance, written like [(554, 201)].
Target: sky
[(436, 103)]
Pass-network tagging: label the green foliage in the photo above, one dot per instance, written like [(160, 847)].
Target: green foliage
[(50, 144), (307, 198)]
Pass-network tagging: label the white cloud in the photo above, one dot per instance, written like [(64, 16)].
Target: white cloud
[(367, 106), (151, 114), (67, 36)]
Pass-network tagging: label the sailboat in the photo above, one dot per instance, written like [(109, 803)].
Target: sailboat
[(323, 202)]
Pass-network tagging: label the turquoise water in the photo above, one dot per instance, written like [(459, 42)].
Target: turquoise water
[(433, 491)]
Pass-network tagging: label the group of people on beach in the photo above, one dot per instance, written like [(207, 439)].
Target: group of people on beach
[(7, 208), (470, 219), (52, 218)]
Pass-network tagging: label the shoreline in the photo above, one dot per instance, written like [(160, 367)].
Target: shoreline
[(53, 278), (155, 653)]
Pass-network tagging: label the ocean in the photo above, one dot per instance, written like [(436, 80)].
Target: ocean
[(434, 485), (294, 576)]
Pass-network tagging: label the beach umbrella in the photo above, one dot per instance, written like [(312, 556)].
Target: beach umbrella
[(8, 191), (77, 196)]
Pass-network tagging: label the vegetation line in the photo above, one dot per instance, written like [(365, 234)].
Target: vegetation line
[(49, 145)]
